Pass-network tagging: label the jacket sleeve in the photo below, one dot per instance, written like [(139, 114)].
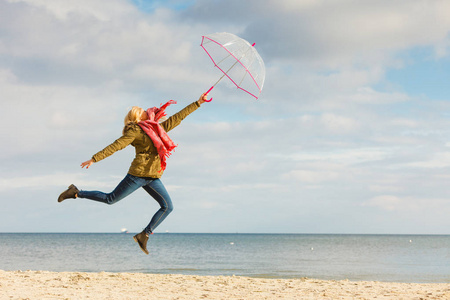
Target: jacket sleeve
[(176, 119), (126, 139)]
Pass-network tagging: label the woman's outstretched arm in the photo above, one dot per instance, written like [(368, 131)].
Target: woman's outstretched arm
[(176, 119)]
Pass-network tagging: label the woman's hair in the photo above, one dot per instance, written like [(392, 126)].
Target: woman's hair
[(133, 116)]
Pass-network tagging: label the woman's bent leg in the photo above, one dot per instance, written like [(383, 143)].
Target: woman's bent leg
[(157, 190), (128, 185)]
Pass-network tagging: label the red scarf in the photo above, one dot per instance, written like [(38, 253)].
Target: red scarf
[(156, 133)]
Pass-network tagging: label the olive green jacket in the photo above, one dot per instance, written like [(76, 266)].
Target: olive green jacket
[(147, 162)]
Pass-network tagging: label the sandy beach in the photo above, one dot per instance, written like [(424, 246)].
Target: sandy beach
[(103, 285)]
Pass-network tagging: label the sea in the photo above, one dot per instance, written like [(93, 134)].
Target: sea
[(389, 258)]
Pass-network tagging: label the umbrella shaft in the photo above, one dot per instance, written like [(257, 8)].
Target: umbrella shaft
[(226, 72)]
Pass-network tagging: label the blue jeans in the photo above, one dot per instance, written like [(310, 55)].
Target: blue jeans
[(129, 184)]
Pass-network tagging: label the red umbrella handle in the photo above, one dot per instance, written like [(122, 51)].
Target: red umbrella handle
[(208, 93)]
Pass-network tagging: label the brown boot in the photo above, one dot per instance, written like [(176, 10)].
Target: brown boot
[(142, 239), (71, 193)]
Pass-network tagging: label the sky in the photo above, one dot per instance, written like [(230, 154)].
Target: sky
[(350, 133)]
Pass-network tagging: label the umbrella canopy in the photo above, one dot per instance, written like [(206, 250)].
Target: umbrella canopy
[(237, 59)]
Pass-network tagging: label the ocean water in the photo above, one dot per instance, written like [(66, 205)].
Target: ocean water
[(400, 258)]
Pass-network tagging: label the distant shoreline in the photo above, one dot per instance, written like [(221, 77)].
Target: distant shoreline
[(105, 285), (244, 233)]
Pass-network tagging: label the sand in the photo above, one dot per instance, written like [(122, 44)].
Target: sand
[(103, 285)]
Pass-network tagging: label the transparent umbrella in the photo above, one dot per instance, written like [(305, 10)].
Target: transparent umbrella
[(237, 59)]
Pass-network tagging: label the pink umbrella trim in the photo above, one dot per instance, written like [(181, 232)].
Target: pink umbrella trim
[(246, 69)]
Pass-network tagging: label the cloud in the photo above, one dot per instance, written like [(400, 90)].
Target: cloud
[(435, 160), (345, 156), (52, 180), (386, 202), (408, 204), (47, 116), (82, 7), (331, 34), (338, 124), (80, 44), (316, 176)]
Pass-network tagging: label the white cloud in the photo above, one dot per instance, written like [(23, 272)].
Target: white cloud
[(61, 180), (386, 202), (82, 7), (385, 188), (436, 160), (338, 124), (45, 115), (408, 204), (310, 176), (6, 76), (87, 43), (345, 156), (336, 33)]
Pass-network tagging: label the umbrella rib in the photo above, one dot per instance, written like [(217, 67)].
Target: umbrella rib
[(229, 54), (247, 71), (245, 74)]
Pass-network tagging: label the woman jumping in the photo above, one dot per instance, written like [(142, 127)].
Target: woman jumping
[(144, 132)]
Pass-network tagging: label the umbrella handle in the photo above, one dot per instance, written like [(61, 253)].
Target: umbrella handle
[(208, 93)]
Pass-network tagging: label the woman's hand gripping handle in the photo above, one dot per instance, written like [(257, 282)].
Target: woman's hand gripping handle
[(204, 98)]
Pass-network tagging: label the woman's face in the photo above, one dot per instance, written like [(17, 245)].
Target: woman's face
[(144, 115)]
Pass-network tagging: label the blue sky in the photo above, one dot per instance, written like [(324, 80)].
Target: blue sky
[(149, 6), (350, 134), (423, 74)]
